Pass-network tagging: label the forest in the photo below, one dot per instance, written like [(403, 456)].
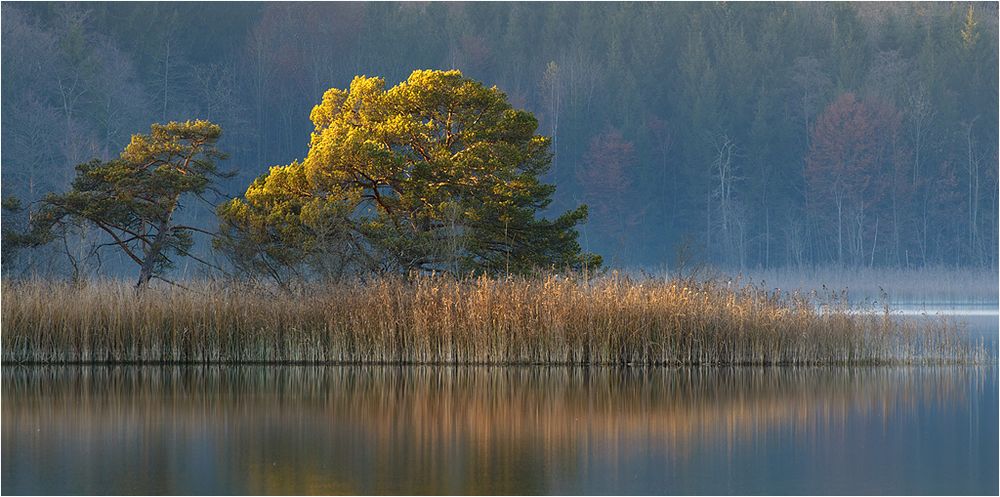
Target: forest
[(741, 135)]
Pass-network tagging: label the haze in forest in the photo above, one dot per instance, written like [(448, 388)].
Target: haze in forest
[(697, 133)]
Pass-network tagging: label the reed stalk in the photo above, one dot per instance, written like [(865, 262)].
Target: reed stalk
[(435, 320)]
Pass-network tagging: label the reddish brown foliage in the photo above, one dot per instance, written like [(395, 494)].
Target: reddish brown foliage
[(856, 169)]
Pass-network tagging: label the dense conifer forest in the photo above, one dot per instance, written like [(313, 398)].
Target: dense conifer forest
[(745, 135)]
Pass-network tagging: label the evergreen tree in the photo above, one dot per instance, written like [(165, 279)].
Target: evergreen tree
[(438, 173)]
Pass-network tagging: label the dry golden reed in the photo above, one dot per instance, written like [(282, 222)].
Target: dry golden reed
[(436, 320)]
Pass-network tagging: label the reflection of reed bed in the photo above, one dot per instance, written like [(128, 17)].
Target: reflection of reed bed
[(336, 426), (482, 399), (475, 321)]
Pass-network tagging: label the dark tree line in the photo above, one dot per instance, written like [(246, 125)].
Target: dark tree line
[(754, 134)]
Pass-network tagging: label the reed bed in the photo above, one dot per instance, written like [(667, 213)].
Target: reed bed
[(436, 320)]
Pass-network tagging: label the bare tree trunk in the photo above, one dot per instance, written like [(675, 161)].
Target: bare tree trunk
[(840, 231), (552, 93), (973, 168), (871, 262), (166, 83)]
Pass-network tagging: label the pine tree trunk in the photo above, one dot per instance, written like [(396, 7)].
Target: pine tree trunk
[(148, 264)]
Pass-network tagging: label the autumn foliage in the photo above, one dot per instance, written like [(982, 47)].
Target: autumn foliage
[(854, 174)]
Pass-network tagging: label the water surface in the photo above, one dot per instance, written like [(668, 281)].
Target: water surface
[(475, 430), (498, 430)]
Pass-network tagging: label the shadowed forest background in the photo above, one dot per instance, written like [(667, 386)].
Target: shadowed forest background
[(741, 135)]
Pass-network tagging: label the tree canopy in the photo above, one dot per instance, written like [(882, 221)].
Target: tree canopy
[(438, 173), (133, 198)]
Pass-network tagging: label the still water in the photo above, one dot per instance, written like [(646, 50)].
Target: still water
[(417, 430)]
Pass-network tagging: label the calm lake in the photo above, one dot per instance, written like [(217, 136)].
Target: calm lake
[(418, 430)]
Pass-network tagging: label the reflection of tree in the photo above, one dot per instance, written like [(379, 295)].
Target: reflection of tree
[(428, 430)]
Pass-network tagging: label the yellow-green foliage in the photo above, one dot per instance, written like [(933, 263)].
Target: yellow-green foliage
[(550, 320), (133, 199), (439, 172)]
